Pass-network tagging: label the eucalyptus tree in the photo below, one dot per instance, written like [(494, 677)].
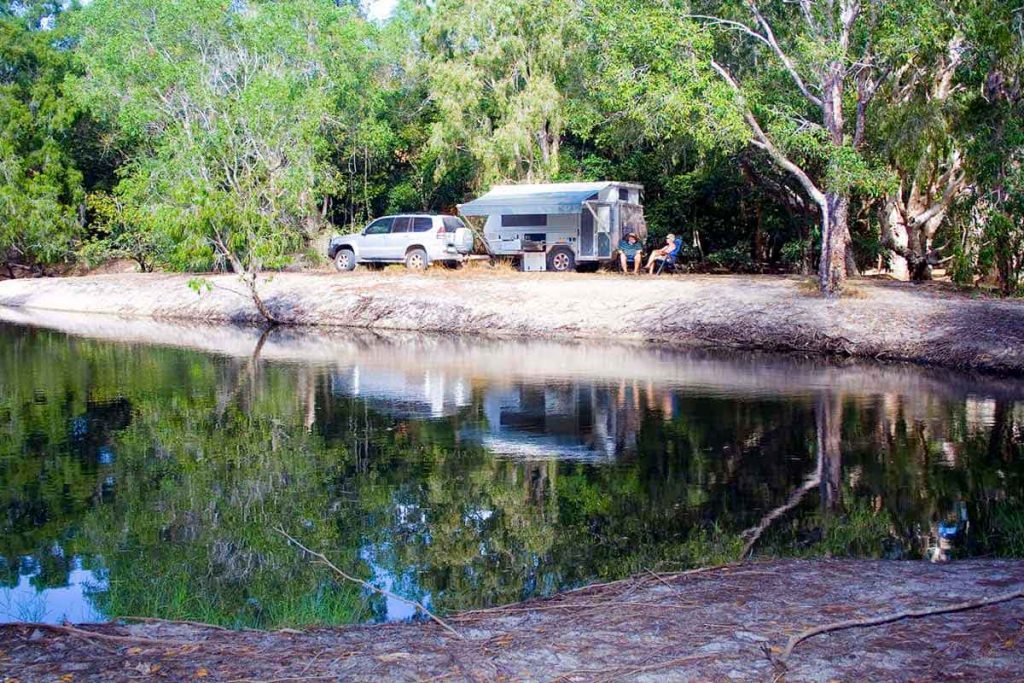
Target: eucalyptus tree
[(498, 76), (798, 77), (990, 220), (808, 87), (231, 113), (919, 138), (938, 122)]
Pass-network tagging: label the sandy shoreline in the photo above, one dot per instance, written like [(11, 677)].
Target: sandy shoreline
[(729, 623), (890, 321)]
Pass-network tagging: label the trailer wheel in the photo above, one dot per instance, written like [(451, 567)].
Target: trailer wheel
[(561, 260)]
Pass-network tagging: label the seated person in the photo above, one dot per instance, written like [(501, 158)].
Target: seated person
[(631, 251), (661, 254)]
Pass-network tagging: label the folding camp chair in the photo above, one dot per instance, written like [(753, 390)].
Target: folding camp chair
[(672, 259)]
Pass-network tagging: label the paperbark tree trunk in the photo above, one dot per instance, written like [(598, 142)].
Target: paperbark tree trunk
[(835, 231), (835, 218), (908, 228)]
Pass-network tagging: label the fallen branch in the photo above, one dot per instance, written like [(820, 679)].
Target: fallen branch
[(888, 618), (370, 586), (95, 635), (180, 622)]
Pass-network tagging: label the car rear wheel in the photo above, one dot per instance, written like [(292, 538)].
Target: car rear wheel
[(561, 260), (416, 259), (345, 260)]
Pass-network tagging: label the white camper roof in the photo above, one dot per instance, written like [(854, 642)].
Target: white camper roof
[(549, 198)]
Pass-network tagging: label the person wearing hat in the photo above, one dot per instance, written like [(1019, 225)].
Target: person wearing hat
[(631, 251)]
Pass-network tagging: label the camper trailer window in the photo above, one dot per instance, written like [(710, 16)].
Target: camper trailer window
[(623, 194), (422, 224), (526, 220)]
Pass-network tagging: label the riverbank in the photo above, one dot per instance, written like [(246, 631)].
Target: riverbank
[(884, 320), (728, 623)]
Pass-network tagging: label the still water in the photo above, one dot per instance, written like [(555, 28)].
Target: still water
[(145, 467)]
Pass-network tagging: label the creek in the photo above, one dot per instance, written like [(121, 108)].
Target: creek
[(145, 466)]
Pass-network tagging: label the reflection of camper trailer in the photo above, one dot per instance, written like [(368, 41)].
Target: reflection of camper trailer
[(559, 225), (572, 421), (418, 395), (581, 421)]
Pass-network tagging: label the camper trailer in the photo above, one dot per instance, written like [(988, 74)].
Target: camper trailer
[(558, 226)]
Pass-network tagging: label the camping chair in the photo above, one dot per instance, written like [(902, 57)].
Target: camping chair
[(672, 259)]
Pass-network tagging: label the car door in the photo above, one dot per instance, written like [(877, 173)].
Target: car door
[(373, 242), (399, 239)]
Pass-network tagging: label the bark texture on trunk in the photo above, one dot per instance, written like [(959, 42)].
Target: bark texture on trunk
[(835, 232), (835, 228), (909, 223)]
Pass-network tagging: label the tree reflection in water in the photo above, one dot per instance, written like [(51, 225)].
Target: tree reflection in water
[(468, 473)]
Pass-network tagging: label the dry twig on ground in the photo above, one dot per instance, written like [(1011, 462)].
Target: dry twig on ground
[(370, 586), (889, 618)]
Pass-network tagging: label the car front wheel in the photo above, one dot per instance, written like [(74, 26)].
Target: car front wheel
[(416, 259), (344, 260)]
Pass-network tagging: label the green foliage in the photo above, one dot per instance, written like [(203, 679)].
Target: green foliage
[(792, 252), (648, 75), (736, 258), (228, 111), (40, 187), (859, 532), (121, 231), (216, 135), (498, 75), (1005, 249), (1007, 537)]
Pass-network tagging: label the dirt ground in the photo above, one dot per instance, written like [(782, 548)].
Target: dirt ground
[(729, 623), (886, 320)]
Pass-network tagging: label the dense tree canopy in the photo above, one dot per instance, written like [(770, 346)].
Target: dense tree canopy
[(799, 135)]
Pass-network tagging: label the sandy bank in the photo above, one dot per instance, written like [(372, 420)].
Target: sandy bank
[(890, 321), (717, 625)]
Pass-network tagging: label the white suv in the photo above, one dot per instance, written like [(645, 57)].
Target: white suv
[(415, 240)]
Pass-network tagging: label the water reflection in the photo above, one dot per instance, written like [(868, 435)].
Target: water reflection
[(32, 599), (461, 473)]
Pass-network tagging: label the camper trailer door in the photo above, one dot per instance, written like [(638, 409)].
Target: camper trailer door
[(601, 212)]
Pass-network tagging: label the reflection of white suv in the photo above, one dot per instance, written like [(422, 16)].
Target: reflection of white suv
[(416, 240)]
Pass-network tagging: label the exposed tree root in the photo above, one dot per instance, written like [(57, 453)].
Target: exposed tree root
[(889, 618)]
